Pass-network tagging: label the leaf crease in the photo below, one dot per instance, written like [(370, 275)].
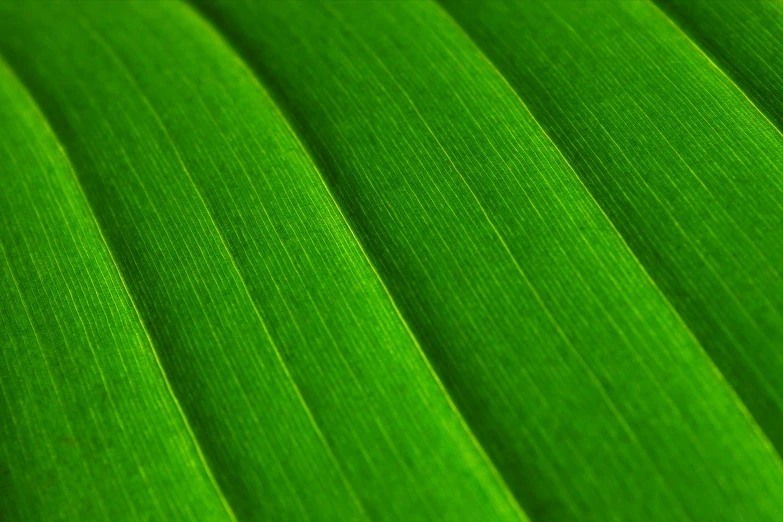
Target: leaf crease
[(290, 125), (717, 371), (126, 289)]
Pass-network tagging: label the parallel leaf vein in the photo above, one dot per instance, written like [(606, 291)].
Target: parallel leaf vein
[(196, 444)]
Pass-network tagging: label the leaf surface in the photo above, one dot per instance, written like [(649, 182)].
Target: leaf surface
[(78, 374), (303, 385), (745, 39), (365, 271), (572, 368), (683, 163)]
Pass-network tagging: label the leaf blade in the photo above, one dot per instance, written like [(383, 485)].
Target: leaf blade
[(296, 48), (383, 430), (700, 207), (60, 249)]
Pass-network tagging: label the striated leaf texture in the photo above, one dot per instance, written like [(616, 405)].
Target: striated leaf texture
[(298, 376), (90, 429), (744, 39), (301, 260), (684, 164)]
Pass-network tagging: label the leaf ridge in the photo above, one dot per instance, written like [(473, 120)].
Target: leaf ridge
[(738, 400), (717, 371), (561, 333), (739, 347), (694, 42), (197, 446), (231, 258), (258, 80), (565, 160)]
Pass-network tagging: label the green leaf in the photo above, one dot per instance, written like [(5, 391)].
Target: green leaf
[(746, 41), (684, 165), (330, 261), (299, 378), (81, 385)]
